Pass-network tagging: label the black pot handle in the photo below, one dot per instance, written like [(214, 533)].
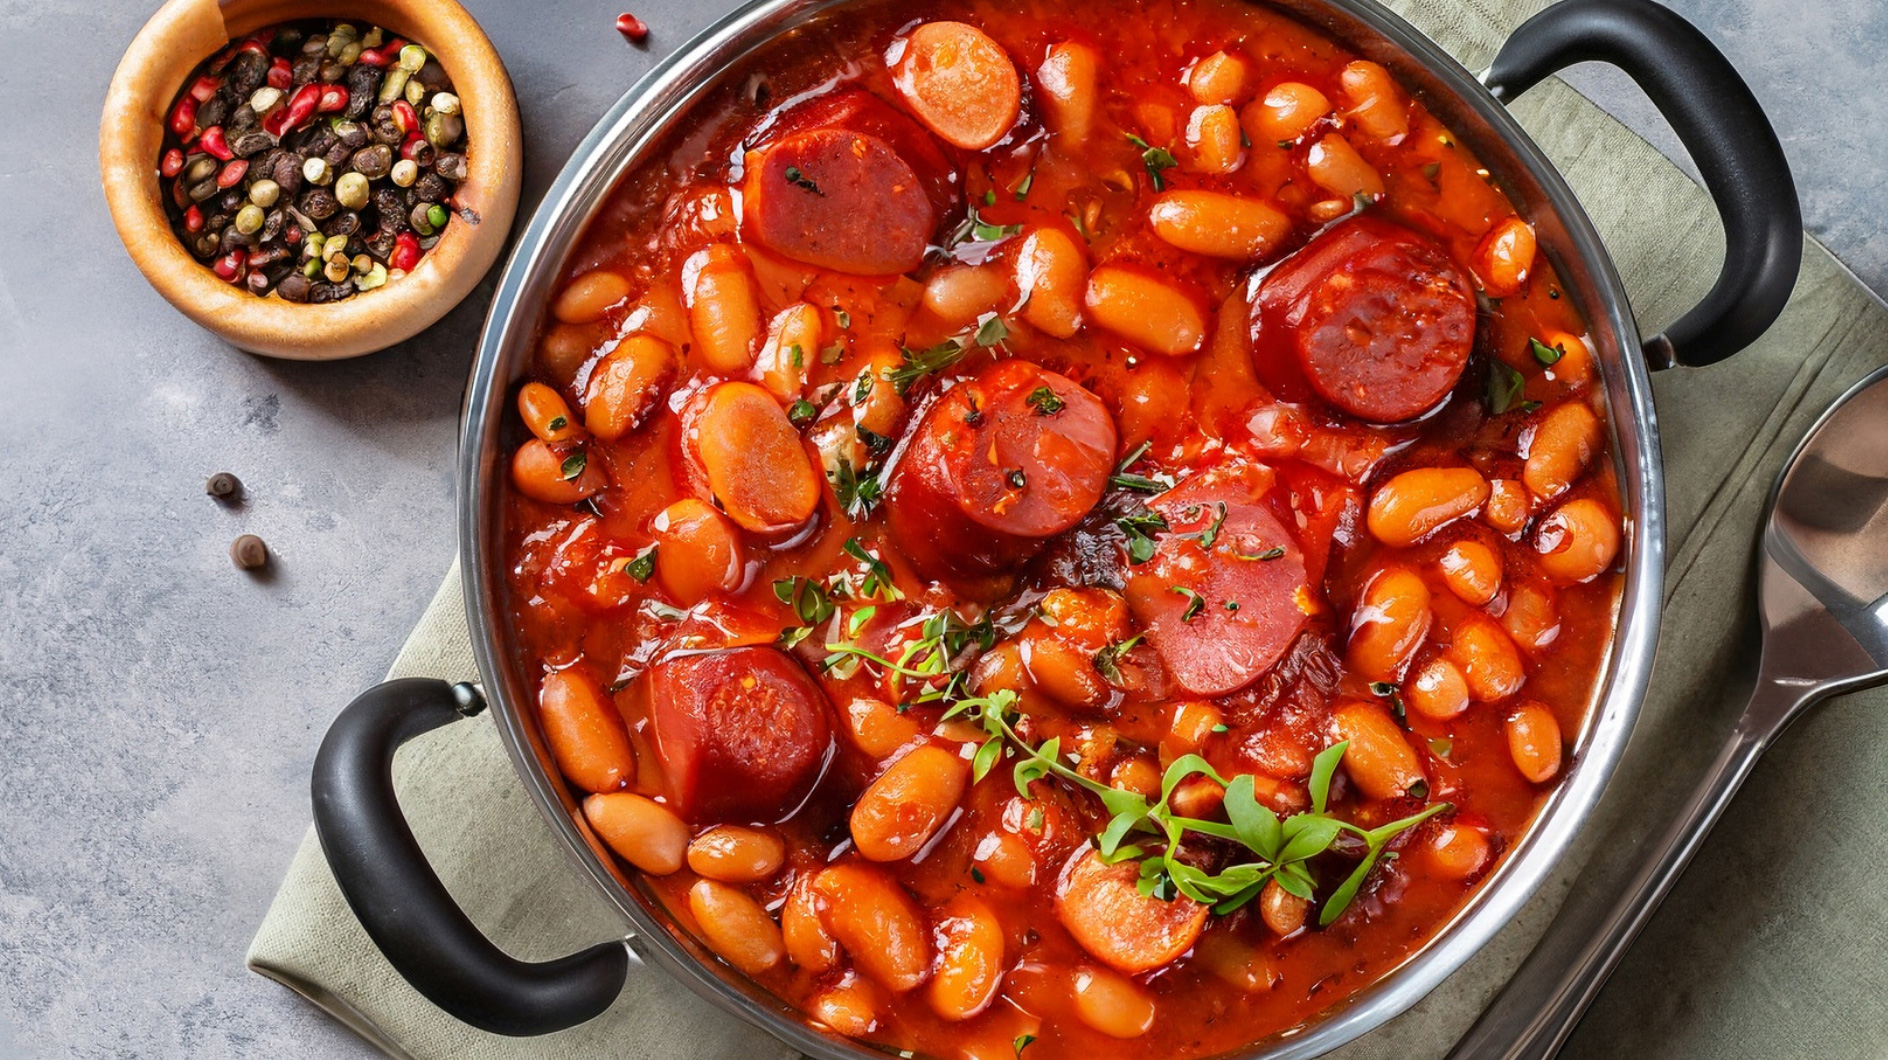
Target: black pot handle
[(1720, 124), (400, 901)]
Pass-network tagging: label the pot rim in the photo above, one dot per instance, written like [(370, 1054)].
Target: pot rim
[(645, 113)]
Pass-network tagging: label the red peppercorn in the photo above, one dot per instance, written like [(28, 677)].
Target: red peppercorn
[(292, 235), (275, 123), (281, 75), (213, 142), (183, 117), (405, 117), (414, 144), (633, 29), (193, 219), (373, 57), (230, 265), (205, 87), (173, 163), (232, 173), (302, 105), (333, 98), (406, 252)]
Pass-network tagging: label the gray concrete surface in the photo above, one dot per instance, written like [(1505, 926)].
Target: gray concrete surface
[(159, 710)]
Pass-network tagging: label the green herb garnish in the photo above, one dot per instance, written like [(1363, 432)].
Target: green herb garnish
[(1505, 386), (573, 465), (1195, 602), (643, 566), (1045, 401), (991, 330), (1140, 528), (858, 491), (1108, 660), (800, 180), (1547, 355), (878, 577), (919, 364), (1157, 160)]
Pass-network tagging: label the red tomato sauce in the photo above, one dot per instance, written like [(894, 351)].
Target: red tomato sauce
[(968, 386)]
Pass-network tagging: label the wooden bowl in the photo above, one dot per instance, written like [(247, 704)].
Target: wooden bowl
[(130, 137)]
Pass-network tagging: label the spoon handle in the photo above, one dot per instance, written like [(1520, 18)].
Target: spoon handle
[(1534, 1014)]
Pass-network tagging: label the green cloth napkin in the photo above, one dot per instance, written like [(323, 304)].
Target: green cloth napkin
[(1772, 945)]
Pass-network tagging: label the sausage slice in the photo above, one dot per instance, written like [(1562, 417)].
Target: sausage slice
[(1220, 615), (846, 182), (742, 733), (1000, 463), (1380, 318)]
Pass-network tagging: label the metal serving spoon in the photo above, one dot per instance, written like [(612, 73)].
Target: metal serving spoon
[(1823, 593)]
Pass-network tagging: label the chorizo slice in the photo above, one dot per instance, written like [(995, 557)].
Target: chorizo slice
[(1000, 463), (742, 733), (838, 200), (1105, 911), (862, 112), (1225, 593), (1380, 319)]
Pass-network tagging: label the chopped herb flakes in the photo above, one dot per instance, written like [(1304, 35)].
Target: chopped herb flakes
[(919, 364), (800, 180), (573, 465), (1195, 602), (1157, 160), (1140, 528), (1045, 401), (1505, 386), (643, 566)]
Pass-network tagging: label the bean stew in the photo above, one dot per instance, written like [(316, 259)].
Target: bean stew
[(1061, 531)]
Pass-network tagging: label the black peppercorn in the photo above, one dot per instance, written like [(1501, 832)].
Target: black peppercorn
[(249, 552), (224, 486)]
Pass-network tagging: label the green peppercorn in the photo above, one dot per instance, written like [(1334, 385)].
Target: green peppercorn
[(376, 277), (443, 129), (393, 85), (362, 264), (351, 190), (312, 269), (415, 91), (445, 103), (350, 54), (436, 214), (336, 269), (412, 57), (405, 172), (249, 219), (265, 192), (334, 247)]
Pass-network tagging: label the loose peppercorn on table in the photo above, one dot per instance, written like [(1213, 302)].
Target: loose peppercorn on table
[(1043, 534)]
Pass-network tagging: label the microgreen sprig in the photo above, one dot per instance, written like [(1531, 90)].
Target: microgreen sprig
[(1154, 834)]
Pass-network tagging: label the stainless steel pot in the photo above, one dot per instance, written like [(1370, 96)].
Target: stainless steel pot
[(409, 914)]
